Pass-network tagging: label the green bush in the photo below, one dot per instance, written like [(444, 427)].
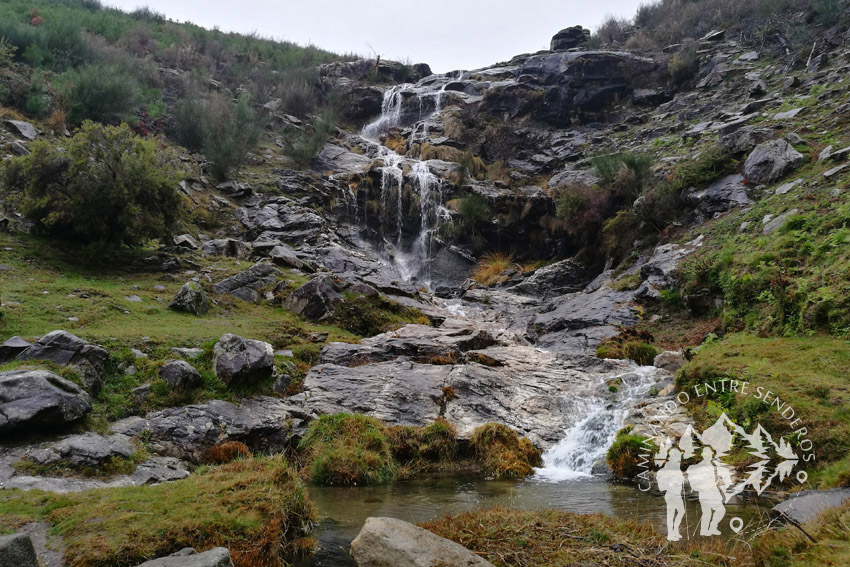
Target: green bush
[(102, 93), (683, 65), (348, 449), (307, 144), (109, 187), (629, 455)]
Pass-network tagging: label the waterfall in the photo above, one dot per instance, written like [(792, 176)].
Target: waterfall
[(392, 182), (587, 441), (390, 112)]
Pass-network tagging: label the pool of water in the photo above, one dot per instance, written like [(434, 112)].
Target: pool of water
[(343, 510)]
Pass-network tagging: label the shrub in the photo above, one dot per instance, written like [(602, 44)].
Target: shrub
[(348, 449), (629, 454), (306, 144), (502, 453), (642, 353), (102, 93), (473, 211), (109, 187), (228, 452), (683, 65)]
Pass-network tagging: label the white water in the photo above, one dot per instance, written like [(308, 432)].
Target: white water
[(586, 442)]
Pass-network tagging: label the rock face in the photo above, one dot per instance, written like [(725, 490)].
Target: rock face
[(569, 38), (65, 349), (216, 557), (191, 299), (771, 160), (180, 375), (17, 551), (38, 399), (387, 542), (240, 362), (559, 278), (226, 247), (316, 299)]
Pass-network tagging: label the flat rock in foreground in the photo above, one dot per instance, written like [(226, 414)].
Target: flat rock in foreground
[(807, 505), (387, 542)]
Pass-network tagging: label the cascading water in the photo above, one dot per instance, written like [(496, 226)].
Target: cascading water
[(587, 441), (390, 112)]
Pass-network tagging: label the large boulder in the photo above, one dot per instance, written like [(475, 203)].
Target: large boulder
[(229, 247), (241, 361), (387, 542), (22, 128), (722, 195), (562, 277), (180, 375), (771, 161), (246, 285), (315, 299), (65, 349), (216, 557), (11, 348), (569, 38), (16, 550), (38, 399), (91, 449), (191, 299)]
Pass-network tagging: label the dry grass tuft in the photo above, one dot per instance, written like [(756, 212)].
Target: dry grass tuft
[(492, 267), (502, 453)]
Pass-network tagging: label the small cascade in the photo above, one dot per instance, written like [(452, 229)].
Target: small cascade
[(390, 112), (392, 182), (586, 442)]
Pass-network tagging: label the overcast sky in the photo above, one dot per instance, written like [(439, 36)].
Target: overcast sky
[(447, 34)]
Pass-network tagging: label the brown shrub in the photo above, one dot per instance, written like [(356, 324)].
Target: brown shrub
[(228, 452)]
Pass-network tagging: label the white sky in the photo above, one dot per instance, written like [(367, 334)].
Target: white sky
[(447, 34)]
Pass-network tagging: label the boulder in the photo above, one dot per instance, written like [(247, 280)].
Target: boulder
[(341, 160), (186, 241), (229, 247), (556, 279), (16, 550), (38, 399), (362, 102), (388, 542), (216, 557), (771, 160), (191, 299), (11, 348), (669, 360), (316, 299), (774, 223), (724, 194), (65, 349), (91, 449), (744, 139), (569, 38), (22, 128), (807, 505), (246, 285), (241, 361), (283, 255), (180, 375)]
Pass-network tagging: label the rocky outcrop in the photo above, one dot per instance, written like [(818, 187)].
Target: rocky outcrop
[(770, 161), (216, 557), (16, 550), (180, 376), (387, 542), (65, 349), (316, 299), (191, 299), (807, 505), (247, 285), (566, 276), (242, 362), (569, 38), (38, 399), (87, 449), (229, 247), (722, 195)]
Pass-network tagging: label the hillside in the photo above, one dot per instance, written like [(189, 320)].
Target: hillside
[(335, 272)]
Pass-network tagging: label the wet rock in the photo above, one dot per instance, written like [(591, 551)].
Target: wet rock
[(65, 349), (724, 194), (362, 102), (264, 424), (569, 38), (229, 247), (658, 272), (11, 348), (338, 159), (38, 399), (180, 376), (191, 299), (91, 449), (16, 550), (22, 128), (807, 505), (246, 285), (316, 299), (386, 541), (566, 276), (216, 557), (771, 161), (240, 362)]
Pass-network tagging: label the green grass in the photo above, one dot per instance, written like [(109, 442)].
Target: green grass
[(257, 508), (810, 373)]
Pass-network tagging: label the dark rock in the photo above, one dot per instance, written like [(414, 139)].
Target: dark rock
[(216, 557), (229, 247), (10, 349), (65, 349), (180, 375), (140, 394), (745, 139), (38, 399), (771, 160), (315, 300), (240, 362), (556, 279), (235, 190), (191, 299), (16, 550), (722, 195), (283, 255), (245, 285), (569, 38), (362, 102)]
